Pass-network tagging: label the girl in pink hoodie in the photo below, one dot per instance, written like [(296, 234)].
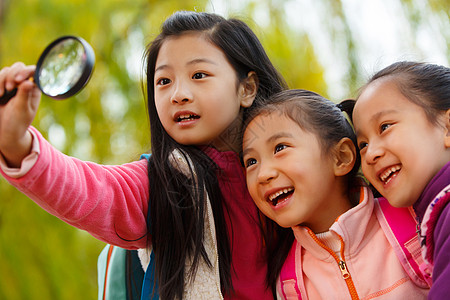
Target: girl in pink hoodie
[(301, 165), (188, 202)]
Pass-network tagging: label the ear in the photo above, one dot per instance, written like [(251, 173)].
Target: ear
[(447, 128), (345, 157), (248, 89)]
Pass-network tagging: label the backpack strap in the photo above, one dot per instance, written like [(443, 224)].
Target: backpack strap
[(400, 227), (111, 273), (150, 289), (150, 285), (103, 263), (134, 275), (288, 276)]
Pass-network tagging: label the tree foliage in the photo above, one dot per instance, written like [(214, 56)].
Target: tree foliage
[(107, 122)]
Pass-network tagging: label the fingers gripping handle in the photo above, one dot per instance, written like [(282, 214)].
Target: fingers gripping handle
[(7, 96)]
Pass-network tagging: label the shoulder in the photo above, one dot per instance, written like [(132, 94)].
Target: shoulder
[(437, 216), (435, 227), (442, 230), (441, 255)]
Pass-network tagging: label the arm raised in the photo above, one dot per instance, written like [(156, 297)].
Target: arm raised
[(18, 114)]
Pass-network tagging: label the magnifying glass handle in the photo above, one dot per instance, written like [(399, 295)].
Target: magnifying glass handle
[(7, 96)]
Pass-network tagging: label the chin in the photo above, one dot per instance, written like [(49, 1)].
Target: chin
[(396, 202), (285, 225)]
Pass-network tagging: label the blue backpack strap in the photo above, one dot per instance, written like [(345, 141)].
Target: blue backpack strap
[(150, 289), (402, 224), (134, 275), (288, 276), (145, 156)]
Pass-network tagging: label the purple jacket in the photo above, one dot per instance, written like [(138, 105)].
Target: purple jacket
[(439, 240)]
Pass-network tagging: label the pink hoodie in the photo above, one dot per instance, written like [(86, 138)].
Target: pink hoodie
[(373, 266), (110, 202)]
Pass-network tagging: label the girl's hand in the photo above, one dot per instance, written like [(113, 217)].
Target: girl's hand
[(16, 115)]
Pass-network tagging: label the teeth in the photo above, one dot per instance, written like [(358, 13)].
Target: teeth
[(385, 175), (284, 191), (186, 117)]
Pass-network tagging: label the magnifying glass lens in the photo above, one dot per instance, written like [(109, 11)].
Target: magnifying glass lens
[(62, 67)]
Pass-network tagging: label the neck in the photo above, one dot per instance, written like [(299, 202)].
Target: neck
[(230, 139)]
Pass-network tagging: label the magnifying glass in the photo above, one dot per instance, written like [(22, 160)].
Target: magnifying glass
[(63, 69)]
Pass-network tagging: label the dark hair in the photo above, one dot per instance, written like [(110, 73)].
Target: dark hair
[(427, 85), (176, 209), (315, 114)]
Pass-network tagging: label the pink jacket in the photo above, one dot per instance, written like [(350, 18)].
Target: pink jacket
[(111, 202), (371, 265)]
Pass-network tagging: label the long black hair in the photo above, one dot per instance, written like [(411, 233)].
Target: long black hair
[(323, 118), (176, 209)]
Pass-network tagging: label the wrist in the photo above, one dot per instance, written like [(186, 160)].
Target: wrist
[(16, 152)]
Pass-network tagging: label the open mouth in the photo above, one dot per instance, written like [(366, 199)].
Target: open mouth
[(280, 196), (186, 117), (389, 174)]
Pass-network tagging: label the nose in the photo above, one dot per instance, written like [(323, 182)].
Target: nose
[(181, 94), (267, 172), (374, 152)]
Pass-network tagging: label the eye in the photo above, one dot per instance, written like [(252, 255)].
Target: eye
[(250, 162), (163, 81), (362, 145), (279, 147), (199, 75), (384, 127)]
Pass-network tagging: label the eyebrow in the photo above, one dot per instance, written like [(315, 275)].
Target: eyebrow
[(383, 112), (377, 116), (191, 62), (279, 135), (271, 139)]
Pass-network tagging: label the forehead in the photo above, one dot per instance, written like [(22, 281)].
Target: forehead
[(187, 47), (382, 94), (383, 99), (383, 91), (267, 125)]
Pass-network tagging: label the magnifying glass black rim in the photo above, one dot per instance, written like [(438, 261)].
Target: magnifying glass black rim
[(87, 70)]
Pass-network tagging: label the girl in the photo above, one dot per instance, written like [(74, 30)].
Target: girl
[(189, 202), (402, 121), (301, 166)]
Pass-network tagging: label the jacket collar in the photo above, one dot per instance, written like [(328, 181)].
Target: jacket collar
[(440, 181), (351, 226)]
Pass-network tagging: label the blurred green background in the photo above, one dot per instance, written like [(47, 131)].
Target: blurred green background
[(327, 46)]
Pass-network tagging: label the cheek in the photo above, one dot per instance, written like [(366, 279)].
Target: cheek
[(364, 166), (263, 206), (161, 110), (160, 97), (367, 171), (251, 186)]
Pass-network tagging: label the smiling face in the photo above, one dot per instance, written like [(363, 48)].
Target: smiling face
[(197, 94), (289, 177), (401, 150)]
